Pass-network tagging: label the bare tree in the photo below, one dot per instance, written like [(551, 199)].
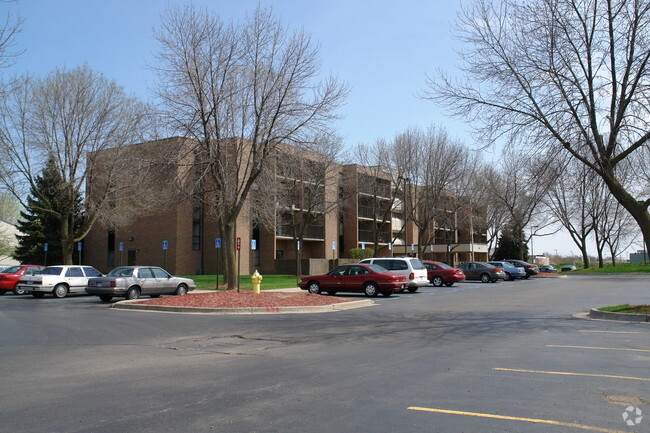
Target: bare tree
[(8, 32), (307, 186), (71, 116), (520, 186), (569, 75), (574, 202), (239, 90)]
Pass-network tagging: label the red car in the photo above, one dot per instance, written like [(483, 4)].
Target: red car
[(441, 273), (368, 279), (10, 276)]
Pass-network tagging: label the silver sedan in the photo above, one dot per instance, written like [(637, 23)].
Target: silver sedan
[(131, 282)]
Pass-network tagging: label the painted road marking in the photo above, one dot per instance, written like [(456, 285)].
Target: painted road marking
[(598, 348), (516, 418), (613, 332), (565, 373)]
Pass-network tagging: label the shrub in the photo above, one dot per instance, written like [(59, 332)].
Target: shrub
[(360, 254)]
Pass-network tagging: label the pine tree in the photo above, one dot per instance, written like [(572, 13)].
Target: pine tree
[(38, 226), (508, 247)]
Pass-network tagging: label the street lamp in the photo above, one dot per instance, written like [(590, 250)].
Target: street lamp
[(532, 243)]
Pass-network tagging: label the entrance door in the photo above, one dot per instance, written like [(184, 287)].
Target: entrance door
[(130, 258)]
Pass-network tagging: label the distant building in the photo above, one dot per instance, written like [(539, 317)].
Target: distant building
[(8, 234), (641, 256)]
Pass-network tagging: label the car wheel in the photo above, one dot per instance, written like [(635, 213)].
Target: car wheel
[(60, 291), (370, 289), (437, 281), (106, 298), (485, 278), (449, 284), (413, 289), (17, 290), (38, 294), (508, 277), (526, 277), (314, 288), (132, 294), (181, 290), (387, 293), (331, 292), (155, 296)]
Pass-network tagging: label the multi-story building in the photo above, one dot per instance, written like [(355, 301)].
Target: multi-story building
[(304, 206)]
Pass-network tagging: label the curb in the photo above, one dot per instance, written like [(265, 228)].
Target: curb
[(595, 313), (133, 305)]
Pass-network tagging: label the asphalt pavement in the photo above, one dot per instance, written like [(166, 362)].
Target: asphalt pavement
[(504, 357)]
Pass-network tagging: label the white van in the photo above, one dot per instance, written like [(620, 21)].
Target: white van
[(412, 268)]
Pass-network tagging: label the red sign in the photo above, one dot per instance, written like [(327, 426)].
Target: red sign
[(238, 244)]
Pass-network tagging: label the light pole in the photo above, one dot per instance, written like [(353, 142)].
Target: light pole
[(404, 208), (532, 243)]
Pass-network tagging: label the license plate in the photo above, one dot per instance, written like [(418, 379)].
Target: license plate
[(99, 284)]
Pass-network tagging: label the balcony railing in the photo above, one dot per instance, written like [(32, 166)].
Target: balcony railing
[(368, 236), (371, 213), (312, 232)]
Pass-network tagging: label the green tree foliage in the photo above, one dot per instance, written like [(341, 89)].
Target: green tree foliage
[(361, 253), (39, 226), (509, 246)]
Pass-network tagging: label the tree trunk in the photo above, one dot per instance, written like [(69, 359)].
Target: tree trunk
[(231, 272), (585, 257), (67, 242)]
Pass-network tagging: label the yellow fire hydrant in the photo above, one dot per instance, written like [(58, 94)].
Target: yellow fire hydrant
[(256, 278)]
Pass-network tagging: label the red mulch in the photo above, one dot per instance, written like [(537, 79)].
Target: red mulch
[(245, 298)]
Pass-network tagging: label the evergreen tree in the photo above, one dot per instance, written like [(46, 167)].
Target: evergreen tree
[(39, 226), (509, 246)]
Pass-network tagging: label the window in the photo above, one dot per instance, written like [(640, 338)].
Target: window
[(159, 273), (74, 272), (91, 272), (145, 273)]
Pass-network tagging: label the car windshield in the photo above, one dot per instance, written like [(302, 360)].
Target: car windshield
[(417, 264), (120, 272), (11, 270), (377, 268), (54, 270)]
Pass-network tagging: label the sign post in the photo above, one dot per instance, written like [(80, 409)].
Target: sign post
[(165, 245), (333, 250), (238, 246), (79, 249), (217, 245), (45, 249), (120, 247)]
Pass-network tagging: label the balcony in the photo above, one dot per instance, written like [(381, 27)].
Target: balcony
[(368, 236), (312, 232), (368, 212)]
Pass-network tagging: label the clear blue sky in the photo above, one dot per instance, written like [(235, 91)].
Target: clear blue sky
[(383, 49)]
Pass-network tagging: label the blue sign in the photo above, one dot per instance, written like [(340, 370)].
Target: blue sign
[(253, 244), (390, 246), (298, 245), (217, 242), (412, 247), (165, 245), (363, 245), (334, 245), (45, 247), (120, 247), (78, 246)]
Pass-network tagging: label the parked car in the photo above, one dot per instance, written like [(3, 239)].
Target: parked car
[(10, 276), (412, 268), (441, 273), (512, 272), (132, 281), (568, 268), (362, 278), (530, 268), (547, 268), (482, 271), (58, 280)]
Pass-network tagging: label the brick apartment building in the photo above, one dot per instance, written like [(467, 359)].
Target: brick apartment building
[(340, 206)]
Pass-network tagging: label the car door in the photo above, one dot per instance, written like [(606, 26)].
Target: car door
[(356, 277), (164, 282), (333, 280), (472, 271), (76, 279), (147, 281)]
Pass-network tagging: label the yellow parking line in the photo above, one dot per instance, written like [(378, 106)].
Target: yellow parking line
[(515, 418), (613, 332), (573, 374), (598, 348)]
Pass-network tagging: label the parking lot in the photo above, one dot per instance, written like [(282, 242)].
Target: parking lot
[(505, 357)]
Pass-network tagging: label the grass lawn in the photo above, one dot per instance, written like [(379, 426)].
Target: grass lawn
[(271, 281), (620, 268), (626, 308)]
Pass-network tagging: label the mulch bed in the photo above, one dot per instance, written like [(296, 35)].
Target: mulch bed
[(245, 298)]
